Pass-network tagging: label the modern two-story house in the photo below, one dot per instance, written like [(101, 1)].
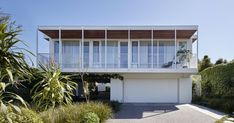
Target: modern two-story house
[(156, 61)]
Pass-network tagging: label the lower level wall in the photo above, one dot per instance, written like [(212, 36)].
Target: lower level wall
[(116, 90), (185, 90), (184, 87)]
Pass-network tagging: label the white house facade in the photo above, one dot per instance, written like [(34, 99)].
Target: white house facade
[(156, 62)]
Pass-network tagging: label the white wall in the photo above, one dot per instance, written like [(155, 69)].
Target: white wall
[(183, 86), (151, 91), (185, 91), (116, 90)]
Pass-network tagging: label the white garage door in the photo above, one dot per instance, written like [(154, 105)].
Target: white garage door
[(151, 90)]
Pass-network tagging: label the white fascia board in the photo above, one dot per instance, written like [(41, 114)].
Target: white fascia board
[(170, 27), (187, 71)]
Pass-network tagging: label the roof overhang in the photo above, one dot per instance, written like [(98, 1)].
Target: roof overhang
[(119, 32)]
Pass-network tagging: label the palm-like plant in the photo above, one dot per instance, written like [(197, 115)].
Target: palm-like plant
[(13, 67), (54, 88)]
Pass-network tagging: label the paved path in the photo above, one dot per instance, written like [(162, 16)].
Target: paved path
[(159, 113)]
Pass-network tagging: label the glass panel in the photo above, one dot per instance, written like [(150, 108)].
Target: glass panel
[(123, 54), (135, 54), (86, 54), (155, 52), (96, 54), (145, 54), (71, 54), (56, 52), (166, 54), (182, 45), (183, 55), (103, 54), (112, 54)]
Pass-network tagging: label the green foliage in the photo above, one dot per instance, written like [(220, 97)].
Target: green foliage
[(23, 116), (90, 117), (13, 67), (13, 71), (218, 81), (197, 99), (54, 89), (88, 80), (74, 113), (226, 105), (218, 87), (115, 105), (221, 61), (204, 63)]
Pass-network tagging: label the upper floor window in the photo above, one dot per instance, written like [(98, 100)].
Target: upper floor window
[(141, 54), (166, 54), (71, 54), (134, 54), (96, 54), (145, 54), (112, 54), (123, 54), (86, 54), (56, 52)]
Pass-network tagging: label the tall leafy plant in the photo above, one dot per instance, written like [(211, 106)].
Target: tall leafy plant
[(54, 88), (13, 67)]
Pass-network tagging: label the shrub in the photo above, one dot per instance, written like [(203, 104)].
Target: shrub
[(102, 110), (218, 87), (196, 99), (115, 105), (226, 105), (76, 112), (218, 81), (24, 116), (53, 90), (90, 117)]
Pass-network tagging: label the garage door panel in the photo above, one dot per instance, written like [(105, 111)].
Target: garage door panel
[(151, 90)]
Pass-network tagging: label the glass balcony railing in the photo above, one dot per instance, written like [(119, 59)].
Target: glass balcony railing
[(43, 58)]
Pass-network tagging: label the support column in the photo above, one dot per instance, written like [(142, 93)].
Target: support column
[(129, 50), (175, 50), (60, 48), (82, 46), (197, 48), (152, 47), (105, 48), (157, 53)]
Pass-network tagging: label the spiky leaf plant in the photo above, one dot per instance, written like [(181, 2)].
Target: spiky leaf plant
[(54, 89)]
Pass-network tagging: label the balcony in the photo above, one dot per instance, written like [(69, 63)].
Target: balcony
[(154, 49), (189, 66)]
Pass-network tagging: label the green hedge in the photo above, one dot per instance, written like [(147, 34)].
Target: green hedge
[(218, 87), (225, 105), (218, 81)]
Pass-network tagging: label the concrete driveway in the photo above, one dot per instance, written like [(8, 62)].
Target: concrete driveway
[(159, 113)]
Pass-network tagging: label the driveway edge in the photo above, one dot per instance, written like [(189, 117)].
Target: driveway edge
[(208, 111)]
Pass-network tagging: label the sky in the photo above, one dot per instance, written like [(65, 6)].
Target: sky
[(215, 18)]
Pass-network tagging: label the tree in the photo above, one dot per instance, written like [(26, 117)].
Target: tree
[(204, 63), (221, 61)]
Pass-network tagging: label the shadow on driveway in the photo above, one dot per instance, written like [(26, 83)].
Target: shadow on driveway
[(141, 111)]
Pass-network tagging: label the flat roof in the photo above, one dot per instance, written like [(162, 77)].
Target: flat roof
[(120, 32), (116, 27)]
